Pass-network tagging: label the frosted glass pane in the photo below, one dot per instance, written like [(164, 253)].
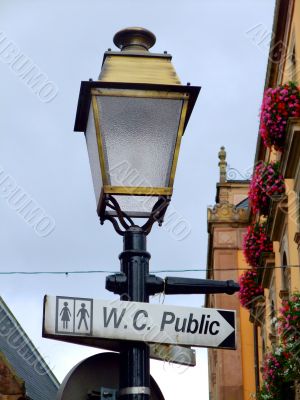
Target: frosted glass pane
[(139, 137), (92, 147), (142, 204)]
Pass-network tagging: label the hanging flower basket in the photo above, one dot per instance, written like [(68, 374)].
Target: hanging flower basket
[(255, 243), (279, 104), (250, 290), (266, 182)]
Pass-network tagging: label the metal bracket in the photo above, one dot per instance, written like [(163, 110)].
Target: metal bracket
[(104, 394), (173, 285), (117, 284)]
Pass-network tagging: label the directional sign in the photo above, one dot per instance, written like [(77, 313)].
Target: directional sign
[(71, 317), (66, 325)]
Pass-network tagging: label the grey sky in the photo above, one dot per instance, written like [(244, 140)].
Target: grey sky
[(40, 152)]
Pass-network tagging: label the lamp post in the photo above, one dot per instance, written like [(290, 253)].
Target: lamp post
[(134, 117)]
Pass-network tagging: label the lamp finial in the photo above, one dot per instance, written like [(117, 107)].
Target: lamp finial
[(222, 165), (134, 38)]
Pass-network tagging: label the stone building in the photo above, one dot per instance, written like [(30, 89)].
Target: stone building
[(231, 375), (280, 275), (239, 375)]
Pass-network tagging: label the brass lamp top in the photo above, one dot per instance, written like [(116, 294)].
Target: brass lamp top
[(134, 63), (135, 72), (134, 38)]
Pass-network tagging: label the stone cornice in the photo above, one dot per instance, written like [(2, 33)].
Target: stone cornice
[(227, 213)]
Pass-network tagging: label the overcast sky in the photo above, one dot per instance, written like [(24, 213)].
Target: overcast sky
[(214, 45)]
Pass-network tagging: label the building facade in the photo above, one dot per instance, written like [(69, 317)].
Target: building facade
[(267, 328), (227, 221), (279, 275)]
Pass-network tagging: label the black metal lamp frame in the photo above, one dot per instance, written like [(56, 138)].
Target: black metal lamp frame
[(122, 220)]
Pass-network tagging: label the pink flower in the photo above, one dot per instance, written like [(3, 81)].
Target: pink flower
[(278, 105), (266, 181)]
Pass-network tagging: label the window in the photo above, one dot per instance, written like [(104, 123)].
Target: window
[(284, 273), (293, 63)]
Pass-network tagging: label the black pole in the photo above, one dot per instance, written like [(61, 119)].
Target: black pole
[(134, 356)]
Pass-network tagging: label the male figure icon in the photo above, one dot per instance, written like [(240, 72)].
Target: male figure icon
[(65, 315), (83, 314)]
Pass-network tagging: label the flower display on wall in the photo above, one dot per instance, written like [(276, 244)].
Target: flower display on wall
[(266, 182), (279, 104), (289, 323), (281, 367), (255, 243), (289, 332), (273, 373), (250, 289)]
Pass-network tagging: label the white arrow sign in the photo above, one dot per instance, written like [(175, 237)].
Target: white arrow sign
[(71, 317)]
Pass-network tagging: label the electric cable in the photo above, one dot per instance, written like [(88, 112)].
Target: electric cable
[(160, 271)]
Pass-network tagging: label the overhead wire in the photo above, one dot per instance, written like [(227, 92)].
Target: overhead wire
[(160, 271)]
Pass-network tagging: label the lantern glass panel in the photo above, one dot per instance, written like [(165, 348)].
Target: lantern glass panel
[(138, 137), (93, 152), (136, 204)]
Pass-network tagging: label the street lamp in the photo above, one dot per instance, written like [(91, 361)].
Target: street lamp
[(134, 117)]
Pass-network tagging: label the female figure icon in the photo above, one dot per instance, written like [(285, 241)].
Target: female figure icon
[(65, 315)]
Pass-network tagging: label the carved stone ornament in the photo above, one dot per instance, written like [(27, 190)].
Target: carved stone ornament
[(225, 212)]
